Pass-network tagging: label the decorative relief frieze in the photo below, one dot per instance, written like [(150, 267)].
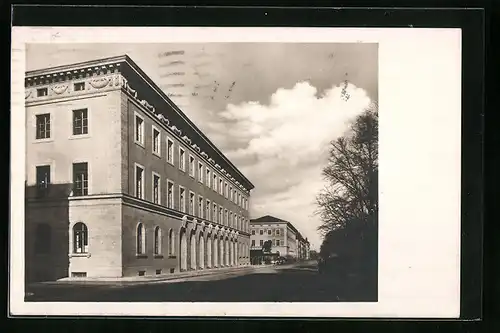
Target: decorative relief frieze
[(195, 147), (148, 106), (162, 118), (176, 130), (59, 88), (100, 82), (131, 91)]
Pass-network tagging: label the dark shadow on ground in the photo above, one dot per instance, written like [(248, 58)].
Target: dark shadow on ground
[(301, 283)]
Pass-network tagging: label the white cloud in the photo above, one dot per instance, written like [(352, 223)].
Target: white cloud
[(281, 147)]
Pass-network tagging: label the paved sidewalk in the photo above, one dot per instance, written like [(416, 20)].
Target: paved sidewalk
[(134, 280)]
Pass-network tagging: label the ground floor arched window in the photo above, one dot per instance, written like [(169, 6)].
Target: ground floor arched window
[(171, 243), (157, 240), (141, 239), (80, 238)]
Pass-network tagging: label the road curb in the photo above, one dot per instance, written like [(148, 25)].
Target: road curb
[(138, 281)]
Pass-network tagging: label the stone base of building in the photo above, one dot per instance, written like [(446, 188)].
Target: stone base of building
[(126, 237)]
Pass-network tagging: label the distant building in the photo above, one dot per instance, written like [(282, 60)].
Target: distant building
[(287, 241), (119, 182)]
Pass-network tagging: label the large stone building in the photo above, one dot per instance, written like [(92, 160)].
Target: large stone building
[(287, 241), (119, 182)]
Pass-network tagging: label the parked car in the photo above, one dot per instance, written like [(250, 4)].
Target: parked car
[(280, 261)]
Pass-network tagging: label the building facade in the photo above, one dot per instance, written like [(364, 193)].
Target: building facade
[(119, 182), (287, 241)]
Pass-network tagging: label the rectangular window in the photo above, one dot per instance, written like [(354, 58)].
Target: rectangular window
[(261, 231), (277, 242), (42, 179), (207, 211), (277, 232), (226, 194), (221, 217), (139, 182), (156, 142), (253, 232), (231, 193), (139, 130), (170, 151), (79, 86), (182, 159), (208, 179), (226, 217), (261, 242), (170, 194), (221, 186), (231, 219), (214, 213), (182, 199), (239, 199), (43, 126), (253, 242), (200, 172), (214, 182), (42, 92), (191, 203), (191, 166), (269, 232), (234, 196), (200, 207), (156, 189), (80, 122), (80, 179)]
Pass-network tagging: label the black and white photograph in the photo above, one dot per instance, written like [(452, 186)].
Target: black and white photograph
[(271, 197), (228, 171)]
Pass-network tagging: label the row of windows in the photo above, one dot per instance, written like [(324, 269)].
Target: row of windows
[(80, 179), (80, 124), (188, 203), (43, 239), (141, 241), (277, 232), (202, 173), (204, 209), (276, 242)]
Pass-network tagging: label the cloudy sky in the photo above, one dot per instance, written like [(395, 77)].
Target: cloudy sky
[(271, 108)]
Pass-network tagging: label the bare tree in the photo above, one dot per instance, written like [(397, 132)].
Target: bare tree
[(350, 198)]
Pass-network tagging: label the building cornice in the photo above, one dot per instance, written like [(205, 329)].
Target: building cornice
[(288, 224)]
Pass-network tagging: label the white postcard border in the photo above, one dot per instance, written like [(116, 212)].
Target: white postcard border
[(419, 177)]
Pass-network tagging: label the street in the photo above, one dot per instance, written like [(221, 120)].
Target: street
[(290, 283)]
